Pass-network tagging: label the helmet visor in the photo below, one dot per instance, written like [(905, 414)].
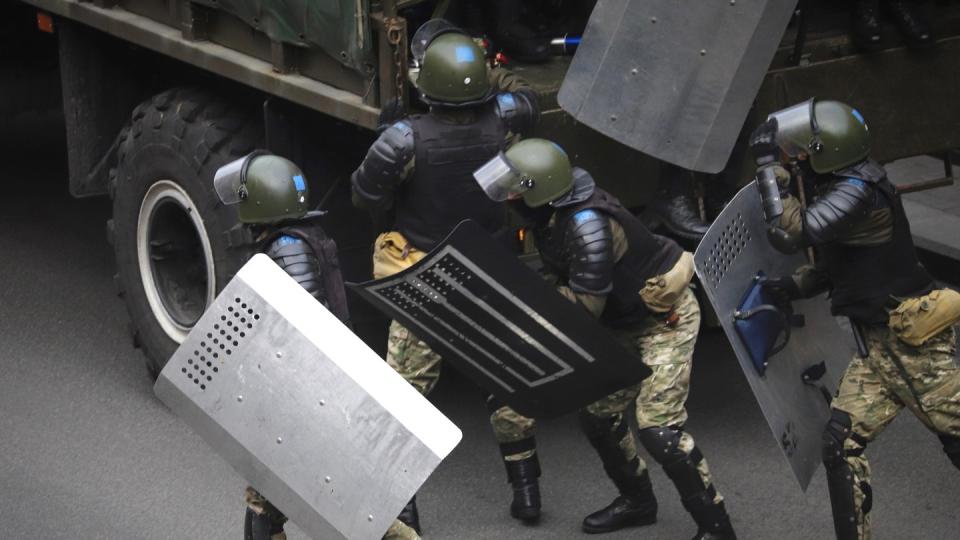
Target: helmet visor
[(795, 131), (427, 32), (228, 181), (498, 178)]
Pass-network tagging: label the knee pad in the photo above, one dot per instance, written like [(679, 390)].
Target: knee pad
[(663, 444), (837, 431)]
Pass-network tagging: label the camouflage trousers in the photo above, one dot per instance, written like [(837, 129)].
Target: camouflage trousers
[(413, 359), (259, 504), (659, 400), (894, 375)]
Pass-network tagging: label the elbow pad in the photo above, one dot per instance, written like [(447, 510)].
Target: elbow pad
[(518, 110), (782, 240), (375, 180), (590, 246), (830, 215), (298, 260)]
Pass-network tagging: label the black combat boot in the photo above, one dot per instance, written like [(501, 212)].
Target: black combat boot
[(712, 520), (265, 526), (676, 205), (523, 475), (636, 504), (911, 22), (410, 516), (866, 25)]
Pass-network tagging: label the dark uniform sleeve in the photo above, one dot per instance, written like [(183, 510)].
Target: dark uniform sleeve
[(297, 259), (386, 165), (505, 80), (834, 213)]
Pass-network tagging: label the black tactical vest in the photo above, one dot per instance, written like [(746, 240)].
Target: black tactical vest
[(865, 277), (647, 255), (442, 192)]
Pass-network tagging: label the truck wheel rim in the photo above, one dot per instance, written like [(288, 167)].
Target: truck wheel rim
[(175, 258)]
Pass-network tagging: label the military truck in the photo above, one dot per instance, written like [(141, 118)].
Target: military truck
[(157, 94)]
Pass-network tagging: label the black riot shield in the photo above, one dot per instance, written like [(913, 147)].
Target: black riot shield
[(792, 353), (504, 327), (674, 80)]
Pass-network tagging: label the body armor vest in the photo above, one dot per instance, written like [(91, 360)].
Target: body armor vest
[(441, 192), (647, 254), (864, 278)]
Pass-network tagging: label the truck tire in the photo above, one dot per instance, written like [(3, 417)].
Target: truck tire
[(170, 232)]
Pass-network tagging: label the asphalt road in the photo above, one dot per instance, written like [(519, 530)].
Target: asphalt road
[(87, 451)]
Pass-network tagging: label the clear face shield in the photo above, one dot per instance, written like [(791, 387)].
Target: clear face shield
[(424, 35), (797, 129), (500, 180), (230, 180)]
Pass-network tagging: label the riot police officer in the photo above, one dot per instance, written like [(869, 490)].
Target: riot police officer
[(419, 169), (637, 284), (866, 258), (271, 195)]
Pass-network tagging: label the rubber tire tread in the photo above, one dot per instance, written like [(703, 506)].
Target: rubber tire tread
[(184, 135)]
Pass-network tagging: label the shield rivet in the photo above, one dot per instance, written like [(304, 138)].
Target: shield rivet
[(327, 479), (613, 118), (370, 517), (653, 20), (239, 398), (703, 52), (323, 402), (279, 354), (733, 2), (279, 440), (634, 71)]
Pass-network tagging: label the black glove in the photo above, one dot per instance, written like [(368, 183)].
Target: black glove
[(784, 289), (763, 143)]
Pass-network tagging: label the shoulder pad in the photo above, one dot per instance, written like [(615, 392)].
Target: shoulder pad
[(590, 245), (868, 171), (506, 104), (286, 240), (403, 126), (399, 139), (583, 216), (519, 111)]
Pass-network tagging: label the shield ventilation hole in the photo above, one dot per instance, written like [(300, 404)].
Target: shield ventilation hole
[(733, 238), (219, 342)]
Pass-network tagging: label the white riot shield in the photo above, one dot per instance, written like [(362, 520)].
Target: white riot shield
[(303, 409), (674, 79), (793, 386)]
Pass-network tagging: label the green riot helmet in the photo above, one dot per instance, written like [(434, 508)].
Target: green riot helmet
[(832, 134), (536, 169), (266, 187), (453, 71)]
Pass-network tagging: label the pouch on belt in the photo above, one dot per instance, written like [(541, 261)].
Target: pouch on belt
[(916, 320)]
